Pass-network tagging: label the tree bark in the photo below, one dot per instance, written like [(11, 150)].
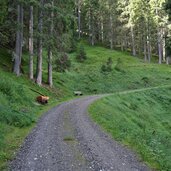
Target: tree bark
[(50, 80), (89, 25), (102, 30), (111, 31), (149, 50), (168, 60), (40, 45), (159, 46), (19, 41), (31, 43), (133, 42), (164, 45), (79, 19), (93, 32), (148, 42), (145, 50)]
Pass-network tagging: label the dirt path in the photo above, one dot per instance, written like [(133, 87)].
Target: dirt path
[(66, 140)]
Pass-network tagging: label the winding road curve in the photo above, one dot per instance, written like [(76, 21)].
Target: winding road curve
[(65, 139)]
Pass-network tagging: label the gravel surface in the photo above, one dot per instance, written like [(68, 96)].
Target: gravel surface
[(65, 139)]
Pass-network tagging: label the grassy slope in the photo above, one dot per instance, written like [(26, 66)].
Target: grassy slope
[(18, 100), (141, 120), (134, 73)]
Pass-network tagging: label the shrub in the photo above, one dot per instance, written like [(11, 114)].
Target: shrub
[(63, 63), (146, 80), (81, 56), (108, 66), (120, 66)]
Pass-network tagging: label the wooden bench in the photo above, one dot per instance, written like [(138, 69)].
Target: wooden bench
[(78, 93)]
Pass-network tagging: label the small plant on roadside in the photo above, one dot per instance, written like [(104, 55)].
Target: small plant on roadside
[(108, 66), (81, 56), (68, 138)]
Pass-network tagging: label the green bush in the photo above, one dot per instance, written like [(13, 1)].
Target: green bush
[(63, 63), (81, 56), (108, 66), (120, 66)]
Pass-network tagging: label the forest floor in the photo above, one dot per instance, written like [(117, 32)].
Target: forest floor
[(66, 139)]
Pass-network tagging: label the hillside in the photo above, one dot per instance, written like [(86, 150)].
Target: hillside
[(140, 120), (19, 111)]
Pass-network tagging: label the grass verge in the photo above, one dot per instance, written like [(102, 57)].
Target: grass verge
[(140, 120)]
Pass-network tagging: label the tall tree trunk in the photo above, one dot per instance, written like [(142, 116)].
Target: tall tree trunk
[(31, 43), (125, 42), (122, 43), (133, 42), (89, 25), (40, 45), (149, 49), (19, 41), (145, 50), (159, 40), (50, 80), (168, 60), (93, 32), (111, 31), (163, 45), (79, 19), (159, 46), (21, 33), (102, 30)]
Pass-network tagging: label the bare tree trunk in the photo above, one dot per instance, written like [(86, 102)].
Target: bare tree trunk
[(50, 80), (89, 25), (31, 43), (19, 41), (148, 42), (111, 31), (159, 41), (149, 50), (122, 44), (102, 29), (159, 46), (145, 50), (40, 45), (133, 42), (163, 45), (79, 19), (16, 68), (93, 32), (125, 42), (168, 60)]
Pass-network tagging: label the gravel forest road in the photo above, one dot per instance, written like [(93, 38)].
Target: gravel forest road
[(65, 139)]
